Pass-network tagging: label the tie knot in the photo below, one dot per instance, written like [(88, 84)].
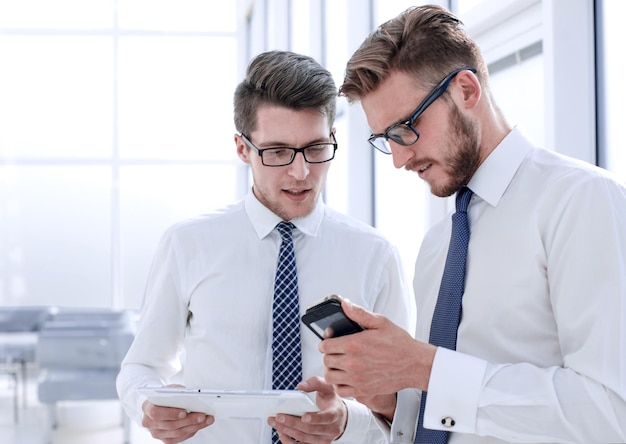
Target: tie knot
[(463, 197), (285, 228)]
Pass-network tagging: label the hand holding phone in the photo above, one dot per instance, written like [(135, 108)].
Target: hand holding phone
[(327, 319)]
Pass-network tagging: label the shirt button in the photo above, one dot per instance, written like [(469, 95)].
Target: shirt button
[(448, 422)]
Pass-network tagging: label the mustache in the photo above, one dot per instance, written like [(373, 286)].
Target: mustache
[(416, 165)]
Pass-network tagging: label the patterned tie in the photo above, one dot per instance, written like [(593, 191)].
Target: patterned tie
[(443, 329), (287, 360)]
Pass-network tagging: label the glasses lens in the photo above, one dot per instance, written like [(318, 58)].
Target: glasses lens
[(403, 134), (381, 144), (319, 153), (277, 156)]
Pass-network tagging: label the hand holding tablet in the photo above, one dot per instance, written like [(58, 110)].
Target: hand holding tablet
[(232, 403)]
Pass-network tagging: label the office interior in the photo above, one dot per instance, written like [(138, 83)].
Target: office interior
[(116, 122)]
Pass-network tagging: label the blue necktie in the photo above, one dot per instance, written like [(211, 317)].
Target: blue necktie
[(443, 329), (286, 350)]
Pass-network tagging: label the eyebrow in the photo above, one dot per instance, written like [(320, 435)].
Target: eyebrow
[(411, 112), (404, 119), (279, 144), (393, 124)]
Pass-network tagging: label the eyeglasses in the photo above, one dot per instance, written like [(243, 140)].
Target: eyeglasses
[(284, 155), (404, 133)]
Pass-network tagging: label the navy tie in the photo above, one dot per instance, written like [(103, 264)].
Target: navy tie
[(447, 315), (286, 350)]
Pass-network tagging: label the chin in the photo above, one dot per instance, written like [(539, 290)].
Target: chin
[(297, 210), (448, 185), (436, 189), (300, 212)]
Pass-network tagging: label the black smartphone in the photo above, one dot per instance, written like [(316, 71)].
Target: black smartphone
[(327, 319)]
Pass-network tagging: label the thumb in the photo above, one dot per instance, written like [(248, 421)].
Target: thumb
[(316, 384), (361, 316)]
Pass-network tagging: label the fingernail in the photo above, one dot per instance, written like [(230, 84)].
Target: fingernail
[(181, 415)]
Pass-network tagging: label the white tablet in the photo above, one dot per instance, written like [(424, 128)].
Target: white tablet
[(232, 403)]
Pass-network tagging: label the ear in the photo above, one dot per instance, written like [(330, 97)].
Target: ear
[(242, 149), (470, 89)]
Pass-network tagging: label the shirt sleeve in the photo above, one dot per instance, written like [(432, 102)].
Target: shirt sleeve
[(132, 377), (521, 403), (361, 427), (454, 410), (394, 300), (583, 398), (152, 358), (402, 429)]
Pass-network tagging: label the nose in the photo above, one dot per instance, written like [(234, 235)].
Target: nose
[(400, 154), (299, 168)]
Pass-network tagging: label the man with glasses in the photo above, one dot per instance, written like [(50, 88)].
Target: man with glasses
[(521, 294), (208, 319)]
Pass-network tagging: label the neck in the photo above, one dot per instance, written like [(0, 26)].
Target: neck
[(494, 129)]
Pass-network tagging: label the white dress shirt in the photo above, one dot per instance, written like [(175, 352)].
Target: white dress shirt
[(541, 353), (208, 306)]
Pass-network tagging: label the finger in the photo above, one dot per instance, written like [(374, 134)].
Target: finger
[(284, 426), (177, 435), (316, 384), (346, 391), (358, 314), (324, 417), (308, 385), (290, 429), (192, 419), (171, 432), (286, 438), (159, 413)]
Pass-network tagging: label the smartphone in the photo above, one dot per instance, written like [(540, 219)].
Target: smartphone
[(327, 319)]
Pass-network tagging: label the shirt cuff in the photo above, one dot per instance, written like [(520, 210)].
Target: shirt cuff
[(456, 381), (405, 417), (358, 424)]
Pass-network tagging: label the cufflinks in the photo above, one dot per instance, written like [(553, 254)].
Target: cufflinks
[(448, 422)]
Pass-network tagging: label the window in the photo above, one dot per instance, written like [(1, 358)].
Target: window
[(611, 89), (115, 122)]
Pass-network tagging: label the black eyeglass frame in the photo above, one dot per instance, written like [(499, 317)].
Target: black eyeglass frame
[(433, 95), (294, 151)]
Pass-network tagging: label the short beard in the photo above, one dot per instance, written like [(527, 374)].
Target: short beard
[(463, 161)]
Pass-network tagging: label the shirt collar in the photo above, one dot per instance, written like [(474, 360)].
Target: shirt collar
[(264, 220), (496, 173)]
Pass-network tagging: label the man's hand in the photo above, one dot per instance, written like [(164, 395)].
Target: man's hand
[(384, 405), (321, 427), (172, 425), (381, 360)]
